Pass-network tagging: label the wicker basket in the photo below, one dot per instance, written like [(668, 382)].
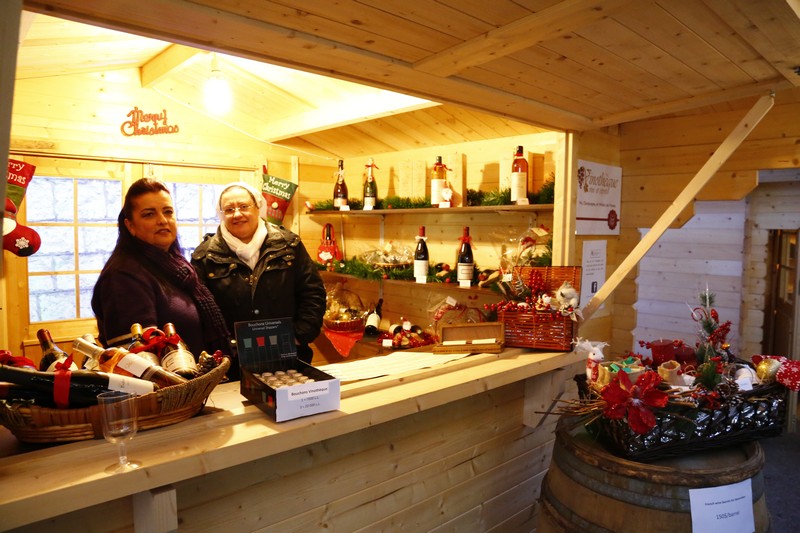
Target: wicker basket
[(345, 326), (31, 423), (542, 330)]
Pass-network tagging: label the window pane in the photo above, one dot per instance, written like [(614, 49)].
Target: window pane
[(51, 297), (209, 206), (185, 198), (57, 251), (189, 238), (86, 283), (52, 200), (99, 200), (95, 246)]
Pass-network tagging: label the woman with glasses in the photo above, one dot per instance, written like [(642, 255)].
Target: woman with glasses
[(148, 281), (258, 270)]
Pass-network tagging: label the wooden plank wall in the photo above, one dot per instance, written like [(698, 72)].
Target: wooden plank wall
[(706, 253), (660, 156)]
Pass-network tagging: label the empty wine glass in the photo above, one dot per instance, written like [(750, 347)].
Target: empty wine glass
[(118, 414)]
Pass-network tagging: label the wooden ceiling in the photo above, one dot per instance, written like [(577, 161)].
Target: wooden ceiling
[(569, 64)]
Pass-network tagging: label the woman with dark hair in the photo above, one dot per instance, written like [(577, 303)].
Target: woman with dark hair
[(258, 270), (148, 281)]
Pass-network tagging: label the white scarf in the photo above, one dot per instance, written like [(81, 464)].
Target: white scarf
[(246, 251)]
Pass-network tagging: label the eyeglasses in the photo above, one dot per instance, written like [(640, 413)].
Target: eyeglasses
[(243, 209)]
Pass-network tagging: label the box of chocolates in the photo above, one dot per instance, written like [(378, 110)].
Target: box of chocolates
[(274, 379)]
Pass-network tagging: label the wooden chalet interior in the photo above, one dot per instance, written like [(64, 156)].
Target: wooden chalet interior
[(653, 87)]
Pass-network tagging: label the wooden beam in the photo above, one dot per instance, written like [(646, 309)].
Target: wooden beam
[(564, 17), (717, 159), (163, 64)]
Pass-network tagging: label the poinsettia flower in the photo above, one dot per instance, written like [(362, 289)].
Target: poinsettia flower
[(634, 401)]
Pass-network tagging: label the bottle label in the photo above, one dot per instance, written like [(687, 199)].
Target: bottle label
[(369, 202), (421, 268), (179, 361), (52, 367), (373, 320), (519, 186), (436, 191), (129, 384), (339, 202), (134, 364), (464, 271)]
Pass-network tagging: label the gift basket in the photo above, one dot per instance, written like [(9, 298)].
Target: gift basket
[(646, 407), (541, 306), (344, 311), (169, 405)]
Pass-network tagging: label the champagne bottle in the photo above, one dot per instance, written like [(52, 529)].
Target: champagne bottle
[(121, 361), (137, 342), (519, 176), (82, 388), (51, 353), (438, 180), (340, 189), (421, 259), (374, 320), (88, 362), (370, 187), (176, 357), (466, 262)]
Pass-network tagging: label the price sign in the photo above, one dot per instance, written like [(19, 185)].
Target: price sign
[(728, 508)]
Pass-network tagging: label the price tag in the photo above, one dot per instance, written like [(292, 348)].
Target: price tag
[(728, 508), (344, 208)]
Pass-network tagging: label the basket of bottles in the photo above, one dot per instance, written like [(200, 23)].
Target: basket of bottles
[(61, 405), (541, 308)]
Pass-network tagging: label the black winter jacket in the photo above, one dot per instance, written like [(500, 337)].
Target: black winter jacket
[(285, 283)]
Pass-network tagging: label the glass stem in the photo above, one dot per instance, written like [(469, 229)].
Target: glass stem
[(123, 453)]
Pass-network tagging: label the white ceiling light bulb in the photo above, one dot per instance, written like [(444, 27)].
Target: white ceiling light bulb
[(218, 97)]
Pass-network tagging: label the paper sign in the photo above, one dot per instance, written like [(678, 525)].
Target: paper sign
[(599, 193), (593, 268), (728, 508), (277, 193)]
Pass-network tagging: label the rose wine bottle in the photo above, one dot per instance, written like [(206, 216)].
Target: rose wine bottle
[(340, 189), (421, 258), (79, 390), (438, 180), (466, 263), (370, 188), (121, 361), (51, 353), (519, 176), (176, 357)]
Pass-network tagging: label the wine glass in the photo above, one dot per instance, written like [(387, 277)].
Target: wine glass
[(118, 414)]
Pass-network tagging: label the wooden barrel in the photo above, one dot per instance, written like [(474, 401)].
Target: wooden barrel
[(589, 490)]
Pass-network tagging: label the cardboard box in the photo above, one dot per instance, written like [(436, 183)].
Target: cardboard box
[(482, 337), (269, 346)]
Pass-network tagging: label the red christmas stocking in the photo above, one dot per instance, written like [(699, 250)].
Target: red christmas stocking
[(18, 239)]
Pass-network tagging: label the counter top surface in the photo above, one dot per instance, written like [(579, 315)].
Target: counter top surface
[(52, 480)]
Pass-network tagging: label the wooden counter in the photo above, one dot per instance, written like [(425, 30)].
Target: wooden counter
[(234, 467)]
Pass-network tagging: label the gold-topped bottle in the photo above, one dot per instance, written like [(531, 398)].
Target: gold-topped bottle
[(137, 341), (176, 357)]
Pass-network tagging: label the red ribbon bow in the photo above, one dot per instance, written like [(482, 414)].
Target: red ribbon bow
[(63, 376)]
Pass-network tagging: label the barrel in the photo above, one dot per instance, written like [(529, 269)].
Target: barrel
[(589, 490)]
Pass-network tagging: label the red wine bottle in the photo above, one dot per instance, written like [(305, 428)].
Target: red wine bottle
[(83, 387), (374, 320), (340, 188), (11, 392), (370, 187), (51, 353), (121, 361), (421, 258), (519, 176), (466, 263)]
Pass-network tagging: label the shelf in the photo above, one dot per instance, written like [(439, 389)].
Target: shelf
[(328, 276), (491, 209)]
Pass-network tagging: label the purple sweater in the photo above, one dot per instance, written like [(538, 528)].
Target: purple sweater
[(130, 294)]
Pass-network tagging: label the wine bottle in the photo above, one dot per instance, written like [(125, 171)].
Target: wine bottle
[(421, 259), (466, 263), (121, 361), (438, 180), (519, 177), (11, 392), (374, 320), (51, 353), (88, 362), (370, 187), (176, 357), (137, 345), (80, 390), (340, 189)]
